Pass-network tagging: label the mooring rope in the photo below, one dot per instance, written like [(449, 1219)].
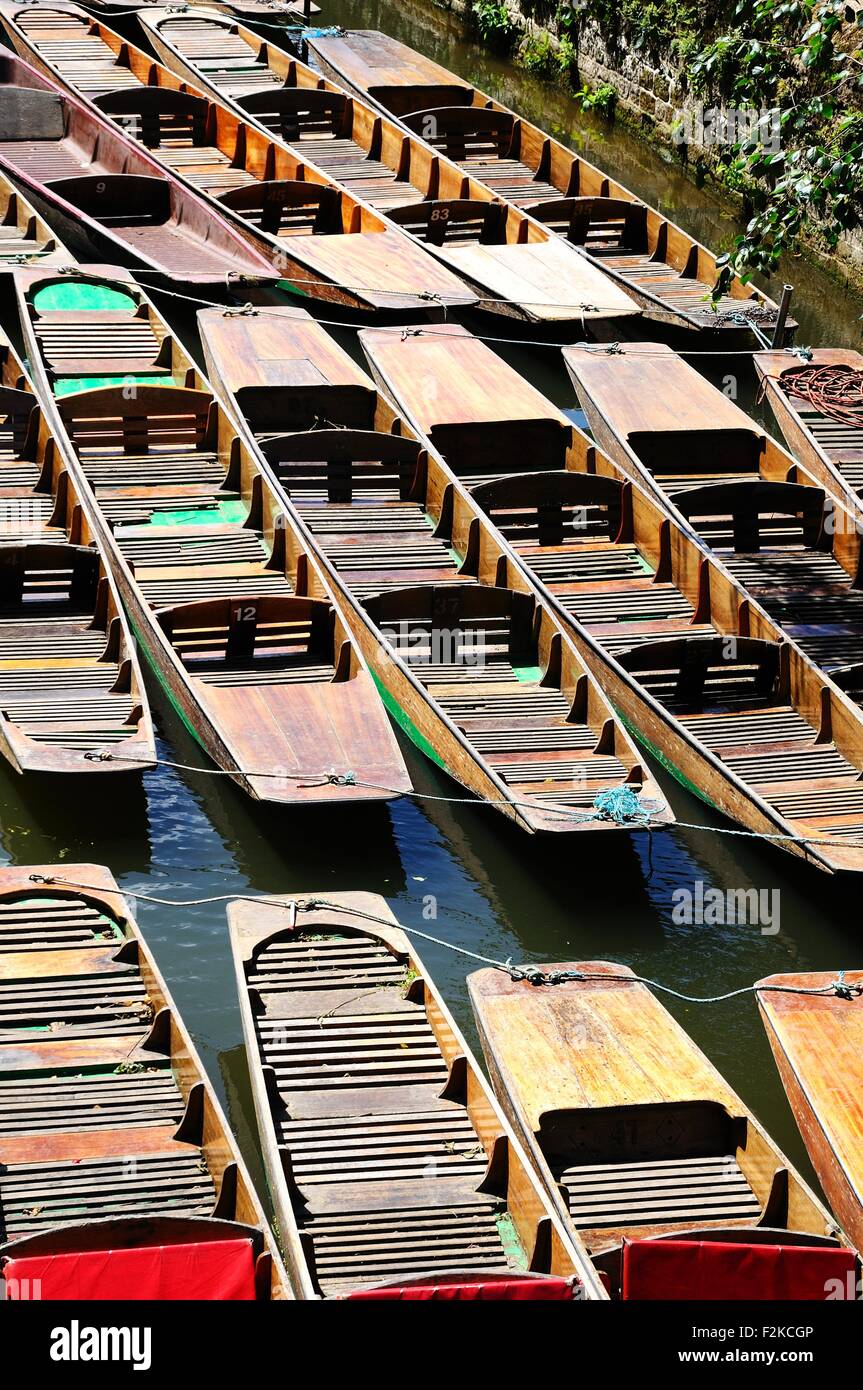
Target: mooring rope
[(833, 389), (532, 974)]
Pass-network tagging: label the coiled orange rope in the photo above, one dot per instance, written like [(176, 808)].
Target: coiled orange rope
[(833, 390)]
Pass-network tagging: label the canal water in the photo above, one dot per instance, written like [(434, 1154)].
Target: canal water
[(461, 872)]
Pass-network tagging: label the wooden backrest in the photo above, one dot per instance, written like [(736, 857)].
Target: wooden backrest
[(485, 616), (226, 630), (295, 112), (340, 464), (116, 419), (553, 508), (123, 200), (452, 220), (464, 132), (597, 221), (47, 572), (288, 206), (750, 515), (155, 115), (691, 673), (29, 113)]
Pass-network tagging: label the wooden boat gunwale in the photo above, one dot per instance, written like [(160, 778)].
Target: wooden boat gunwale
[(165, 1036), (45, 253), (821, 1133), (370, 738), (494, 571), (569, 166), (725, 592), (251, 930), (72, 510)]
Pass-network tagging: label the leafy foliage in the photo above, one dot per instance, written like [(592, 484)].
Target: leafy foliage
[(798, 57), (495, 24)]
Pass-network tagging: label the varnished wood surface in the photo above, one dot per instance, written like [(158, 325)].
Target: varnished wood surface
[(387, 1155), (817, 1042), (110, 1131), (236, 622), (477, 671), (630, 1126)]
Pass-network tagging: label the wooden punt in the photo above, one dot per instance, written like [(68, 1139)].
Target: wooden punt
[(830, 449), (653, 260), (70, 684), (392, 1169), (25, 237), (240, 631), (688, 656), (117, 1167), (278, 14), (797, 553), (648, 1154), (473, 668), (107, 198), (316, 236), (817, 1042), (515, 265)]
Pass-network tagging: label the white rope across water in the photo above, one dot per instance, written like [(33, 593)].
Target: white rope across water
[(533, 974)]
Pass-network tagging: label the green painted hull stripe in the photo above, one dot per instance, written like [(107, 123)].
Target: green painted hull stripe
[(665, 761), (407, 725), (157, 673)]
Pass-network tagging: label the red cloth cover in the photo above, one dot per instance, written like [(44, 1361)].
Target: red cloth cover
[(223, 1270), (481, 1288), (692, 1269)]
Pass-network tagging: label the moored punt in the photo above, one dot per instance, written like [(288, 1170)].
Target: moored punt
[(797, 551), (104, 195), (815, 1026), (668, 1179), (229, 607), (469, 663), (654, 261), (687, 655), (515, 265), (392, 1169), (70, 684), (281, 14), (316, 236), (818, 405), (119, 1176)]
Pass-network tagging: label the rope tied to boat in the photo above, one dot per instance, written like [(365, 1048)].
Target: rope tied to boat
[(624, 806), (533, 974), (833, 389)]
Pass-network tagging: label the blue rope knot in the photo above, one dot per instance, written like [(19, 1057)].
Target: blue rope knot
[(622, 805)]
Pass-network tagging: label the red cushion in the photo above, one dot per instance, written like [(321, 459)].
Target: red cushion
[(482, 1287), (223, 1270), (692, 1269)]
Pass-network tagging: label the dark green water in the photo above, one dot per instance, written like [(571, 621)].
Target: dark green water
[(184, 835)]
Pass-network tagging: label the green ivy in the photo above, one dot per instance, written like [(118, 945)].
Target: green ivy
[(495, 24)]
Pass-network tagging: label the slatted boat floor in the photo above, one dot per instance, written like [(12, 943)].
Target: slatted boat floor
[(670, 1192), (387, 1170), (88, 1114)]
